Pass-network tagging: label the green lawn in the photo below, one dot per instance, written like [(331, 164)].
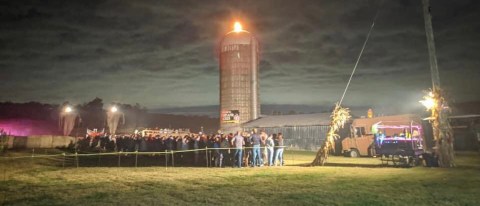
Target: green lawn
[(346, 181)]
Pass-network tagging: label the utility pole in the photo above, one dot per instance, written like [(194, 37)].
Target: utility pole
[(431, 44), (442, 132)]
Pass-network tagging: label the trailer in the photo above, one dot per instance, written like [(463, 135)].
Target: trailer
[(363, 133), (399, 143)]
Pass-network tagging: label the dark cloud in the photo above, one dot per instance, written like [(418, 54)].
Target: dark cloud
[(163, 53)]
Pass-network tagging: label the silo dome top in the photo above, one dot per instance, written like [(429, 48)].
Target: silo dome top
[(242, 37), (237, 36)]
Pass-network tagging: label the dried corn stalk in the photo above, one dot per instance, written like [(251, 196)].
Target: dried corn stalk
[(339, 117), (442, 131)]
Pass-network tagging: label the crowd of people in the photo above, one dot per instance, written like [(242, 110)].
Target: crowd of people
[(254, 149)]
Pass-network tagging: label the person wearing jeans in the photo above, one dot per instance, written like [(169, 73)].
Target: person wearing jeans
[(269, 143), (256, 139), (238, 157), (279, 157), (279, 150), (238, 141)]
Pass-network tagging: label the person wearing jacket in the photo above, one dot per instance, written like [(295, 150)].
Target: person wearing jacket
[(256, 155), (279, 150), (270, 144), (238, 141)]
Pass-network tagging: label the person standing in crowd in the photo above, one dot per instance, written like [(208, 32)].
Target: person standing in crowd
[(270, 144), (225, 150), (238, 141), (95, 142), (103, 142), (185, 146), (279, 150), (203, 144), (256, 156), (119, 143), (178, 147), (185, 142), (218, 153), (247, 152), (196, 145), (150, 143), (143, 145), (157, 141), (111, 143), (231, 155), (169, 143), (263, 149)]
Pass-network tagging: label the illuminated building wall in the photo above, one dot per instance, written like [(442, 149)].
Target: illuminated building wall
[(238, 78)]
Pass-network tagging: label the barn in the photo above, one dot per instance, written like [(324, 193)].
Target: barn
[(300, 131)]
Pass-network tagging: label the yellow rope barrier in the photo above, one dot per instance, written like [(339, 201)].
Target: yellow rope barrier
[(128, 153)]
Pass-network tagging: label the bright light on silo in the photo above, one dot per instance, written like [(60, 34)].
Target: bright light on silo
[(68, 109), (237, 27), (114, 109)]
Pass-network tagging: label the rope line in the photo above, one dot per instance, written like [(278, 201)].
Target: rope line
[(129, 153), (361, 52)]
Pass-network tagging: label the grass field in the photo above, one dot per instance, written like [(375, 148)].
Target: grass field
[(345, 181)]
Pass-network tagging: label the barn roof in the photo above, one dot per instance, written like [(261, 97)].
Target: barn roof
[(402, 118), (290, 120)]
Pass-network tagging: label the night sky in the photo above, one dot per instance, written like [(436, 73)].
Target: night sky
[(163, 53)]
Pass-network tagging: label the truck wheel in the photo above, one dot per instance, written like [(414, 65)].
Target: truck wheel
[(354, 153)]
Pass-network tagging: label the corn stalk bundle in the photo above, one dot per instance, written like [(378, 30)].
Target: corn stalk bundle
[(442, 131), (339, 117)]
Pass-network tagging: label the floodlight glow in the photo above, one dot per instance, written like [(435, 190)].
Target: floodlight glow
[(68, 109), (114, 109), (237, 27), (428, 102)]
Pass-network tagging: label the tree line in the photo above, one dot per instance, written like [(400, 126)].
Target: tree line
[(92, 113)]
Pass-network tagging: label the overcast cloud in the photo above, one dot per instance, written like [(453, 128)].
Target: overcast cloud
[(163, 53)]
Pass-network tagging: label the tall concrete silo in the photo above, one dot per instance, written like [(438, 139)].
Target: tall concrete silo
[(239, 96)]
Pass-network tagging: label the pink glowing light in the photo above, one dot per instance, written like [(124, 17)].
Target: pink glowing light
[(399, 127), (27, 127)]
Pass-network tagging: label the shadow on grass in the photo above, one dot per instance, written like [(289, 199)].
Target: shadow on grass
[(356, 165), (344, 165)]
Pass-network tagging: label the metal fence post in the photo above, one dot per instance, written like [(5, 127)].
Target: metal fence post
[(119, 159), (206, 155), (99, 155), (76, 158), (5, 172), (173, 158), (166, 160), (63, 163), (136, 158), (5, 179), (293, 156), (210, 158), (33, 154)]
